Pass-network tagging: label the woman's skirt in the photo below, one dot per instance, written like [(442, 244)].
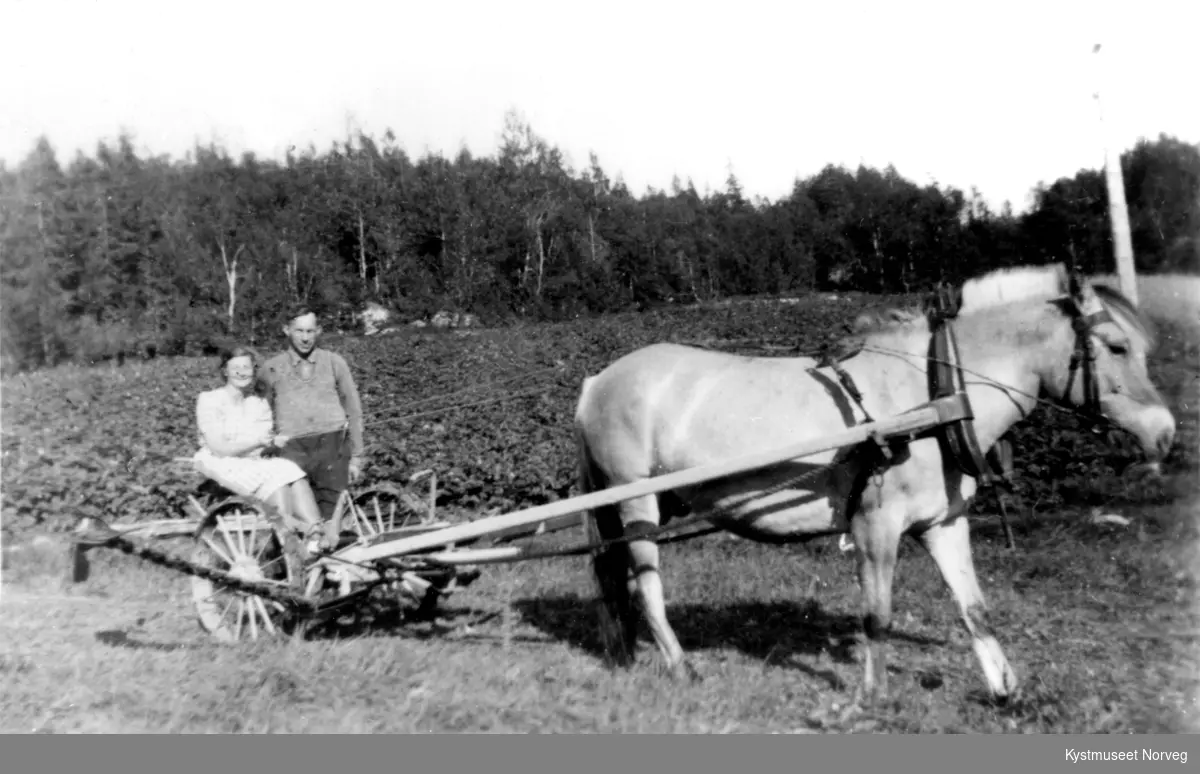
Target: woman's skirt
[(258, 477)]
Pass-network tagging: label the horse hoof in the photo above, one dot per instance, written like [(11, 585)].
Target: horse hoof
[(684, 672), (617, 660), (1008, 691), (1010, 696), (867, 698)]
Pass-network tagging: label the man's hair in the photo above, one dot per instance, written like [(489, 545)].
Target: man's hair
[(300, 310)]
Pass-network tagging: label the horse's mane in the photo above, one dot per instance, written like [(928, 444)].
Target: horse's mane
[(1120, 305), (887, 320), (1002, 286), (1005, 286)]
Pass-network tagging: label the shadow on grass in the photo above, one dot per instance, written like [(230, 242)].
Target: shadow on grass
[(119, 638), (775, 632), (385, 621)]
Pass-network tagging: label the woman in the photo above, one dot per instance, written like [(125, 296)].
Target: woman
[(236, 427)]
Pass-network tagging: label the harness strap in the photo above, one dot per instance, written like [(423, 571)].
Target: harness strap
[(957, 435), (852, 390), (955, 430), (947, 388), (850, 387), (1084, 356)]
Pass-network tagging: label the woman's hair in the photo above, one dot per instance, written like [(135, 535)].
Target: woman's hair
[(242, 351)]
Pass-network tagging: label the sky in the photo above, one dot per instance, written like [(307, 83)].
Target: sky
[(992, 95)]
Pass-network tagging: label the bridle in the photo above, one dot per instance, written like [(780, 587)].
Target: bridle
[(948, 394), (1084, 359), (946, 384)]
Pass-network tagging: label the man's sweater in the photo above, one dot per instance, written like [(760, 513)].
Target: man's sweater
[(325, 401)]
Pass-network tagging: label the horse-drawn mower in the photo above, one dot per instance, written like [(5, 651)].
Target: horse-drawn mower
[(252, 576)]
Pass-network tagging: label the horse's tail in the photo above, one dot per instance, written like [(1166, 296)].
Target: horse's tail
[(611, 565)]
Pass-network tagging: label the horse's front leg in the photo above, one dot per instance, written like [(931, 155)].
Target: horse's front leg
[(641, 517), (644, 556), (949, 545), (877, 540)]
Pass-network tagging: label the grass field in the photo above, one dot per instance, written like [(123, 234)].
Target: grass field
[(1100, 622)]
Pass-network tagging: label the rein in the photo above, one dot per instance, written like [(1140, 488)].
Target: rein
[(947, 388), (984, 379)]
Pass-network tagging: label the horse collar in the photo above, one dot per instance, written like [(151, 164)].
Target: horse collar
[(946, 386)]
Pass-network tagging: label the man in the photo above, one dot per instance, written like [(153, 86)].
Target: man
[(316, 405)]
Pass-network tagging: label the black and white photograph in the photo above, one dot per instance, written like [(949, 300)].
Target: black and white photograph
[(651, 368)]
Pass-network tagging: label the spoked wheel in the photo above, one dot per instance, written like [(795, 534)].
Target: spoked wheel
[(237, 538), (386, 512), (385, 508)]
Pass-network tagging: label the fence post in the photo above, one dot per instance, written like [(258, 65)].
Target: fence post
[(1118, 213)]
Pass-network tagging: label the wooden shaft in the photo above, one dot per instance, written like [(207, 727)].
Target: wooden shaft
[(510, 554), (478, 556), (160, 529), (911, 422)]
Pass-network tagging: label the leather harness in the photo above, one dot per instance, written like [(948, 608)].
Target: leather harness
[(957, 437), (955, 430)]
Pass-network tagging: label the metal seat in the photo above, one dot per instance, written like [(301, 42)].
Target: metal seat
[(211, 492)]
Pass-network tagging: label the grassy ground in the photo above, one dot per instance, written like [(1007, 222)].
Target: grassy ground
[(1100, 623)]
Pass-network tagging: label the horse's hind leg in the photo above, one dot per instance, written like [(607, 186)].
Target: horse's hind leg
[(639, 517), (949, 545), (611, 566)]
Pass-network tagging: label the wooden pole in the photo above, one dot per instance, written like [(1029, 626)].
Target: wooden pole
[(1118, 213), (550, 513)]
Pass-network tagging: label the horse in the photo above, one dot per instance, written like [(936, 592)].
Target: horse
[(1020, 336)]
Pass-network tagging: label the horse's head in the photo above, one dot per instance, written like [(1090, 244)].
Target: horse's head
[(1101, 365)]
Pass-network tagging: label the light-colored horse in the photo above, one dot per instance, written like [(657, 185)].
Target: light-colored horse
[(667, 407)]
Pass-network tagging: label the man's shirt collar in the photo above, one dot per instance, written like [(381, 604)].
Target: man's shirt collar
[(295, 359)]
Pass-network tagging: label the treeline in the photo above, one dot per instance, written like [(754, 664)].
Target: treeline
[(115, 254)]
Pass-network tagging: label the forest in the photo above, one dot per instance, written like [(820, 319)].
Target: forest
[(112, 254)]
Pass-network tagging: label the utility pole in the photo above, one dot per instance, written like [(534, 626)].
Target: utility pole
[(1118, 213)]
